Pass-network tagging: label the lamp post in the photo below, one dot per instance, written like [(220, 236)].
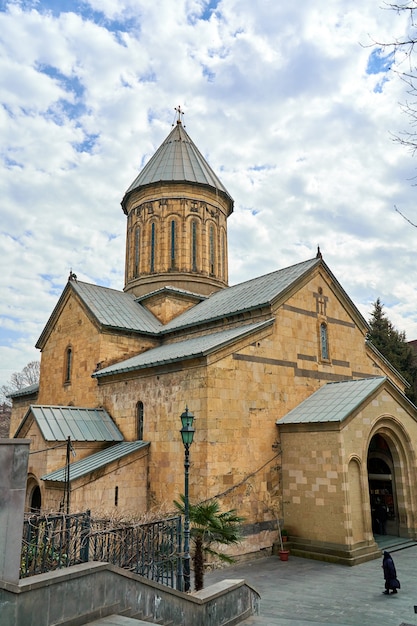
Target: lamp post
[(187, 435)]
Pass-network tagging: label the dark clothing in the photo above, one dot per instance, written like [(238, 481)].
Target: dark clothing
[(390, 574), (382, 516)]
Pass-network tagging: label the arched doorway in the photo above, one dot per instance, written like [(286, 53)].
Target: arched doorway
[(35, 500), (382, 487)]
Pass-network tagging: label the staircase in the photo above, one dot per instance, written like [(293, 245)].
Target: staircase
[(393, 543), (112, 616), (117, 620)]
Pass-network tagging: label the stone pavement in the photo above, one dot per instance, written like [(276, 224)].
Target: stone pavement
[(304, 592)]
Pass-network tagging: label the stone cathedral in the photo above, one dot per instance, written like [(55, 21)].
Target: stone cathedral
[(298, 418)]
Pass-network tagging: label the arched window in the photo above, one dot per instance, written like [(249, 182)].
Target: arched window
[(152, 268), (211, 249), (324, 342), (137, 251), (139, 421), (173, 242), (68, 365), (223, 257), (194, 246)]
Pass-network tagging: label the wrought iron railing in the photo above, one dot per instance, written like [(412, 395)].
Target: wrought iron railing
[(55, 541), (51, 542), (151, 550)]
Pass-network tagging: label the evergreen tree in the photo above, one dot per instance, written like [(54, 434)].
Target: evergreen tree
[(393, 346)]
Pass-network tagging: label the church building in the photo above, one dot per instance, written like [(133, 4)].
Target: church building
[(298, 418)]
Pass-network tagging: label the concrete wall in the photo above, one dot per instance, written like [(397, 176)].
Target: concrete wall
[(82, 593), (13, 471)]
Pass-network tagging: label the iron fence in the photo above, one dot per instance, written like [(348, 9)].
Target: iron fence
[(152, 550), (51, 542)]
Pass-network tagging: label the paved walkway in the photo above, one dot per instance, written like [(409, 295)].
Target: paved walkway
[(303, 592)]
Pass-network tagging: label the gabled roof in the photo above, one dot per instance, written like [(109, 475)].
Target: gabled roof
[(246, 296), (380, 356), (123, 312), (116, 309), (333, 402), (178, 160), (95, 461), (109, 307), (57, 423), (169, 290), (182, 350), (26, 391)]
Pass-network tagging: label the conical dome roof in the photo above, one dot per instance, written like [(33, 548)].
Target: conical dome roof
[(177, 160)]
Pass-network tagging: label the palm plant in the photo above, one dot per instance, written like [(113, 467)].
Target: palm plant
[(210, 527)]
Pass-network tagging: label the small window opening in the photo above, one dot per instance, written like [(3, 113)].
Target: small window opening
[(194, 246), (116, 495), (137, 251), (324, 342), (173, 237), (139, 420), (211, 252), (153, 247), (68, 365)]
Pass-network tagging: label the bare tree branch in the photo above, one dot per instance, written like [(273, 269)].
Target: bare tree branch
[(406, 218)]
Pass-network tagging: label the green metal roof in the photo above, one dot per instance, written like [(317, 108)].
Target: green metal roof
[(182, 350), (333, 402), (116, 309), (110, 307), (178, 160), (95, 461), (251, 294), (26, 391), (57, 423)]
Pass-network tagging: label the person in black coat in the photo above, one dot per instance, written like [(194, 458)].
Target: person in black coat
[(390, 574)]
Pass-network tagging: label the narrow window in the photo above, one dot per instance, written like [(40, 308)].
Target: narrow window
[(139, 421), (137, 251), (324, 342), (173, 251), (223, 257), (68, 365), (153, 247), (211, 250), (194, 246), (116, 495)]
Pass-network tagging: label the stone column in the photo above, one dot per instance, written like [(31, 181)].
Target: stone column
[(14, 454)]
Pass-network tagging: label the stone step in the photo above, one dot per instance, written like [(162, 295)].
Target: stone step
[(401, 546), (117, 620)]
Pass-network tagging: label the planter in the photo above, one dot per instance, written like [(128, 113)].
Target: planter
[(283, 555), (284, 538)]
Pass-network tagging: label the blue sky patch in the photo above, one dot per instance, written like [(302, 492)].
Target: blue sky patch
[(72, 84), (88, 144), (207, 73), (379, 61), (209, 9)]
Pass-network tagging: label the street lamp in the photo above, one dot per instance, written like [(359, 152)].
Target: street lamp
[(187, 435)]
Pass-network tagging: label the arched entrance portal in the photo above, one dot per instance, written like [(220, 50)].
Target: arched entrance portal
[(382, 491)]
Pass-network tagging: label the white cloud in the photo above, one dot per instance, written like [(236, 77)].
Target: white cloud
[(277, 97)]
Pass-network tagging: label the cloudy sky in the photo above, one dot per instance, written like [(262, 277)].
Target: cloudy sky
[(289, 102)]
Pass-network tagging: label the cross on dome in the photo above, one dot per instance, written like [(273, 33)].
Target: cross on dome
[(180, 114)]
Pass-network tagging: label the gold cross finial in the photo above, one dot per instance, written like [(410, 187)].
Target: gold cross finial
[(180, 114)]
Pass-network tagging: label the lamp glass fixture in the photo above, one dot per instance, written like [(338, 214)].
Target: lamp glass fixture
[(187, 430)]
